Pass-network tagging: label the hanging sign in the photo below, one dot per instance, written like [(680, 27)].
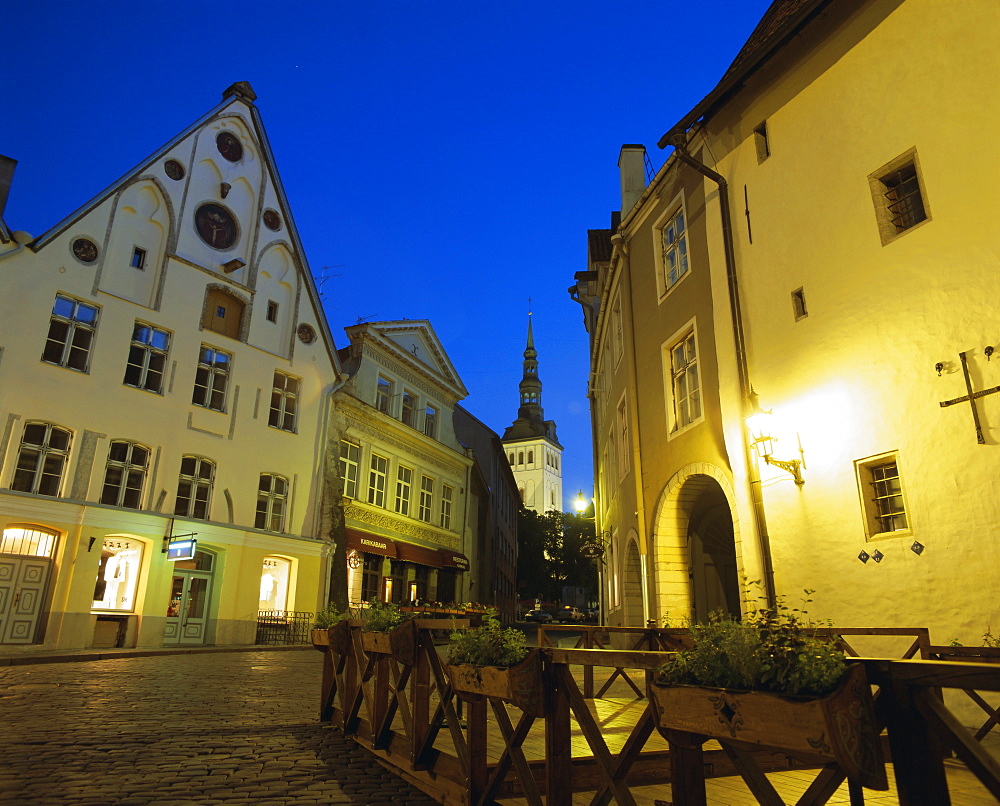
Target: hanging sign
[(592, 551), (183, 549)]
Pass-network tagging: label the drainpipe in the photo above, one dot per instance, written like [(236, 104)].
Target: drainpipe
[(22, 239), (679, 142)]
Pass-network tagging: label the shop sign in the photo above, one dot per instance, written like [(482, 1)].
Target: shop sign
[(182, 549)]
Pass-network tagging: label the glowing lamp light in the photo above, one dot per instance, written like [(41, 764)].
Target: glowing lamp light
[(760, 424), (580, 503)]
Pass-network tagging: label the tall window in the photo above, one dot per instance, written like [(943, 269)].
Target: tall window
[(284, 402), (211, 378), (125, 474), (618, 328), (370, 577), (446, 499), (147, 358), (882, 495), (41, 459), (71, 333), (377, 472), (684, 381), (624, 458), (673, 244), (194, 488), (431, 422), (383, 394), (272, 496), (408, 413), (350, 458), (426, 497), (404, 486)]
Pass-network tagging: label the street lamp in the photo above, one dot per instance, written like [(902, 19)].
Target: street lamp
[(760, 423)]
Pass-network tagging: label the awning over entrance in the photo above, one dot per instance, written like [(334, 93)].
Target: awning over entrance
[(368, 543), (419, 555), (453, 559)]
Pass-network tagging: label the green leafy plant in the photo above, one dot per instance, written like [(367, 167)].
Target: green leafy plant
[(771, 649), (488, 645), (328, 616), (991, 640), (382, 616)]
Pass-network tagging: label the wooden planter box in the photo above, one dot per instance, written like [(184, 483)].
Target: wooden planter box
[(519, 685), (337, 637), (839, 727)]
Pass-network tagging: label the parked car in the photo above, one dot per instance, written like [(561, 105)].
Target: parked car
[(571, 614), (538, 615)]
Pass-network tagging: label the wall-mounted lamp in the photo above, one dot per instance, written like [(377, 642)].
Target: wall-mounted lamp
[(233, 265), (580, 503), (758, 420)]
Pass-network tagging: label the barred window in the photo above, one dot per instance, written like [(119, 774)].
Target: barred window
[(272, 497), (41, 459), (147, 358), (899, 197), (284, 402), (211, 378), (125, 474), (882, 495), (71, 333)]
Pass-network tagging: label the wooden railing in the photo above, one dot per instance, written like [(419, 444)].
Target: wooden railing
[(395, 698)]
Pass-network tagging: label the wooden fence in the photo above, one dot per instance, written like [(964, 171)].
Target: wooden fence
[(393, 695)]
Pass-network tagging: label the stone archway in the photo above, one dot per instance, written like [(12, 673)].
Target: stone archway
[(632, 588), (696, 545)]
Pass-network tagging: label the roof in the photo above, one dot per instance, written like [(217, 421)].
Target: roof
[(599, 245), (782, 21)]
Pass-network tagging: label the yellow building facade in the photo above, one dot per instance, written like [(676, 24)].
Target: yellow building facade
[(844, 291)]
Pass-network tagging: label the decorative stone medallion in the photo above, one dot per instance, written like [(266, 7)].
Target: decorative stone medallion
[(173, 169), (306, 333), (272, 220), (85, 250), (229, 146), (216, 225)]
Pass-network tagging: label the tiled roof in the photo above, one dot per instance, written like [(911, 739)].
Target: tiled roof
[(781, 21), (599, 245)]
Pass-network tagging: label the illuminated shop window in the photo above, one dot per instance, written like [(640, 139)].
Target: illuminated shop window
[(117, 574), (274, 579)]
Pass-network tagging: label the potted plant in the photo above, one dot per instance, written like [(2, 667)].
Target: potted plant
[(766, 681), (494, 662), (380, 623), (330, 629)]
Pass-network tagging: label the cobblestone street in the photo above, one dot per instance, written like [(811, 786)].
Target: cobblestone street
[(209, 728)]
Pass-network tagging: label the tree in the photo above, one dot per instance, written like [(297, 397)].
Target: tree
[(549, 554)]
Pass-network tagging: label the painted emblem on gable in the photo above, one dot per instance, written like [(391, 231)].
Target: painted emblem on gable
[(229, 146), (216, 225), (272, 220), (307, 335), (173, 169), (85, 250)]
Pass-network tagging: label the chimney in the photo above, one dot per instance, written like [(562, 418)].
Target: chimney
[(7, 166), (632, 166)]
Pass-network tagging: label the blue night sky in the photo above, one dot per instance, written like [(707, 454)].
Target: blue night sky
[(445, 159)]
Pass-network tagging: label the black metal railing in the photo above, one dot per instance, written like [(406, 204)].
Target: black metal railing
[(283, 627)]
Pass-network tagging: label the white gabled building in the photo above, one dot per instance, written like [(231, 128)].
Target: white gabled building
[(165, 369)]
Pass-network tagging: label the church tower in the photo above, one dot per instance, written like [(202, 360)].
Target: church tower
[(533, 450)]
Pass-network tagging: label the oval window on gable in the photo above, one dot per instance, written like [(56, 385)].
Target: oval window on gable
[(223, 313)]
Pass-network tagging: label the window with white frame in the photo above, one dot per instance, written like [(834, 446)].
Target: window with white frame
[(685, 385), (383, 395), (426, 498), (41, 459), (447, 494), (881, 488), (147, 358), (194, 487), (673, 252), (211, 378), (71, 333), (624, 458), (272, 497), (378, 471), (284, 402), (404, 487), (350, 459), (431, 421), (125, 474), (408, 410)]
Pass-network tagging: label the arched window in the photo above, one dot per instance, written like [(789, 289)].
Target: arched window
[(28, 541), (531, 457), (41, 459), (511, 457), (520, 457)]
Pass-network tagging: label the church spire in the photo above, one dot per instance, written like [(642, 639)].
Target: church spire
[(530, 386)]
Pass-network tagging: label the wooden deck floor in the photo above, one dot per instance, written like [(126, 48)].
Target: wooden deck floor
[(617, 716)]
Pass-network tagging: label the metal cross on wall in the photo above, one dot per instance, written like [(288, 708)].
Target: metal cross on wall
[(971, 396)]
